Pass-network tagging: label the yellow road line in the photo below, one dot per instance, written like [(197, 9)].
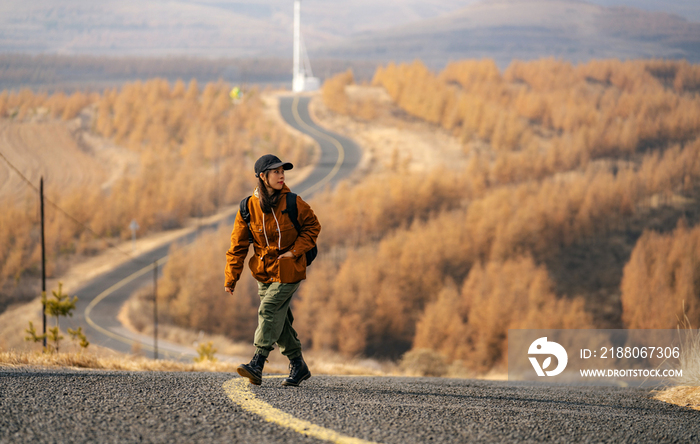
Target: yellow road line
[(239, 391), (334, 141), (111, 290)]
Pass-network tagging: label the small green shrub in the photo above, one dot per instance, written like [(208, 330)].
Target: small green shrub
[(59, 305), (206, 352)]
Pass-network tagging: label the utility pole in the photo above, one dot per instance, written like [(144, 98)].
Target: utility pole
[(133, 226), (43, 256), (217, 195), (155, 310)]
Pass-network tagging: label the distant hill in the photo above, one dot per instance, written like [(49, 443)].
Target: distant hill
[(529, 29), (195, 28), (73, 44), (263, 28)]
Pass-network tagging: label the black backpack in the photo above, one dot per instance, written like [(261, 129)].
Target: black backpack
[(293, 215)]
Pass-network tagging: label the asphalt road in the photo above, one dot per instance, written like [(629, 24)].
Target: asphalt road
[(99, 301), (339, 155), (96, 406)]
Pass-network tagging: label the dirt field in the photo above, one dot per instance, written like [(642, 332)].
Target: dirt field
[(64, 153), (44, 149)]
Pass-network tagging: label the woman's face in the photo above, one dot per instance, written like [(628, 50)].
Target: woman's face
[(275, 178)]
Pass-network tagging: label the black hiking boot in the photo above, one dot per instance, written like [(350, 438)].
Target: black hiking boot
[(253, 371), (298, 372)]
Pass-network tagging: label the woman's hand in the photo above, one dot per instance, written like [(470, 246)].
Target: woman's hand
[(287, 254)]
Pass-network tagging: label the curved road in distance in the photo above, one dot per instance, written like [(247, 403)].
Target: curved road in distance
[(339, 155), (100, 300)]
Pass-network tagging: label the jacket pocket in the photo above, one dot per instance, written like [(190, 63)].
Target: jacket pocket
[(292, 269), (289, 236), (257, 232)]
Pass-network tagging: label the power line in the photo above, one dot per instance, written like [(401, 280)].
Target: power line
[(18, 172), (61, 210)]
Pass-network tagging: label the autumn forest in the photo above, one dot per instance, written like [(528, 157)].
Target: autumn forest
[(577, 208)]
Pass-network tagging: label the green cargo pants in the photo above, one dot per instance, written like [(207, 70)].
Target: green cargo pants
[(275, 320)]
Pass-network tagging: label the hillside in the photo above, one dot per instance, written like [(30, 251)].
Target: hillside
[(71, 47), (201, 28), (528, 29), (64, 153), (434, 32)]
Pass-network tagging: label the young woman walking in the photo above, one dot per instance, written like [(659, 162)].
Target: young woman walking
[(278, 264)]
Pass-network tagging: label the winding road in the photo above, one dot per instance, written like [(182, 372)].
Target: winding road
[(105, 406)]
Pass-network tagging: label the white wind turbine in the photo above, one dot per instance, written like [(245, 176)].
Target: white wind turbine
[(303, 79)]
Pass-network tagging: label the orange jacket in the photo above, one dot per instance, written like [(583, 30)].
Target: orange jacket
[(274, 234)]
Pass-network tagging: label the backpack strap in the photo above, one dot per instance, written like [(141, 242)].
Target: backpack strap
[(245, 214), (293, 213), (292, 210)]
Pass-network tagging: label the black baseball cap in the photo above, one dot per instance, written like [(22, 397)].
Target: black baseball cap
[(270, 162)]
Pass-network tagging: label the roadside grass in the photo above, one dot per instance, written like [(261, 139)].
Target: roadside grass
[(687, 393), (681, 395), (690, 359), (321, 363), (15, 359)]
